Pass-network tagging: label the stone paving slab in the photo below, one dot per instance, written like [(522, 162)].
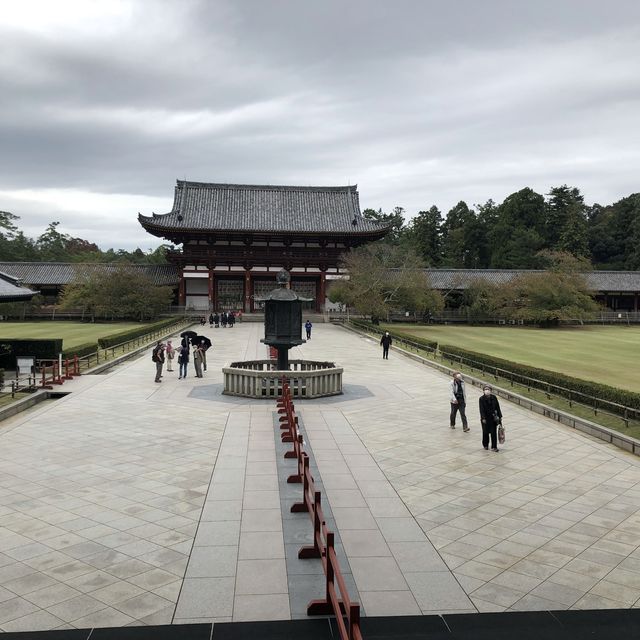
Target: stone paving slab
[(127, 498)]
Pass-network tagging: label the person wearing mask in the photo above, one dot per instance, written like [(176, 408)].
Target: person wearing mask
[(458, 401), (490, 417), (386, 342)]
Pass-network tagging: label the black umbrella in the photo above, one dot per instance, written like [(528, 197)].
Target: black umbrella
[(200, 339), (187, 336)]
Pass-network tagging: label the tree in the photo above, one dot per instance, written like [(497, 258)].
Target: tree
[(393, 220), (559, 294), (566, 222), (382, 279), (486, 220), (52, 244), (115, 293), (426, 234), (459, 230), (518, 234)]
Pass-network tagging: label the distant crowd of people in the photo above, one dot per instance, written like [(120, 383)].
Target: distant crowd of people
[(223, 319), (190, 347)]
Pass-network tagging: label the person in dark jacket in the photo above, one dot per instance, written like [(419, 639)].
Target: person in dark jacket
[(210, 320), (491, 417), (386, 342), (307, 327), (158, 357), (183, 359)]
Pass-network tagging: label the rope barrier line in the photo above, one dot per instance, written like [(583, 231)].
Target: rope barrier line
[(336, 601)]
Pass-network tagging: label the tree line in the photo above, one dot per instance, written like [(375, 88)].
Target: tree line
[(55, 246), (515, 233)]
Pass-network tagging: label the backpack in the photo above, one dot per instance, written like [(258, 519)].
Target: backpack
[(154, 355)]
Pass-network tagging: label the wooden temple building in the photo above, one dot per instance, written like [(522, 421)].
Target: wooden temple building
[(235, 238)]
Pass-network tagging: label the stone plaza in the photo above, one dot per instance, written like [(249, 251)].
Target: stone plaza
[(133, 503)]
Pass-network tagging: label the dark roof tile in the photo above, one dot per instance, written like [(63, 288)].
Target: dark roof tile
[(11, 289), (60, 273), (201, 206)]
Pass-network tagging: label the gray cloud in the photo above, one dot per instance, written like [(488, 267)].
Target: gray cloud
[(419, 102)]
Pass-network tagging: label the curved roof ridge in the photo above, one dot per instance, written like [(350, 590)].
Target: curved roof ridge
[(350, 188)]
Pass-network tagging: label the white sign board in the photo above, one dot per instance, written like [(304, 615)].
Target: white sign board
[(25, 364)]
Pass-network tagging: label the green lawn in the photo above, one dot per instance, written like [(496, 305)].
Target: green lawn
[(608, 354), (72, 333)]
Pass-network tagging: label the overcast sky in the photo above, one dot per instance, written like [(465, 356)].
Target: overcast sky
[(103, 104)]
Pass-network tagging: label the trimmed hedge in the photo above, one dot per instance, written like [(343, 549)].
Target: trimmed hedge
[(398, 336), (430, 345), (81, 350), (40, 349), (119, 338), (575, 385)]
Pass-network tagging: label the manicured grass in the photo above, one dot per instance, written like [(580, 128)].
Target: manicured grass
[(72, 333), (609, 354)]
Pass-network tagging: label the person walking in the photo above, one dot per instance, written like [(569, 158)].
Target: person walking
[(203, 353), (211, 321), (490, 417), (170, 352), (386, 342), (183, 360), (158, 357), (197, 360), (308, 326), (216, 319), (458, 401)]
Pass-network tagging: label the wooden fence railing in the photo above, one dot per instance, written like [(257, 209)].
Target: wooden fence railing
[(336, 601)]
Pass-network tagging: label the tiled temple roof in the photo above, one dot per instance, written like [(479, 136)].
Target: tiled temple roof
[(200, 206), (60, 273), (446, 279), (11, 289)]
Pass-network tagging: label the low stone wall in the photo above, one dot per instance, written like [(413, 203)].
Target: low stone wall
[(259, 379)]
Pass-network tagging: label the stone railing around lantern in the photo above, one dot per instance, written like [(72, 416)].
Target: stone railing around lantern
[(261, 379)]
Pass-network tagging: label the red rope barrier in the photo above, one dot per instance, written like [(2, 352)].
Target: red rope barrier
[(337, 601)]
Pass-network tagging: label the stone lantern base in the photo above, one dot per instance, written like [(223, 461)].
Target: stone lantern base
[(261, 379)]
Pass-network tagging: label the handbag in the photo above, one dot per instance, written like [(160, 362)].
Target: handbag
[(501, 436)]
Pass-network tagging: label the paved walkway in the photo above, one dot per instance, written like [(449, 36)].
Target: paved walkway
[(129, 502)]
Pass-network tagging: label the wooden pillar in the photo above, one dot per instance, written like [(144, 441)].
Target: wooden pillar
[(635, 301), (321, 293), (248, 302), (212, 290), (182, 295)]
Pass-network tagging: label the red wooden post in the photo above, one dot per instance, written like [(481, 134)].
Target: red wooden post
[(354, 621), (314, 551), (300, 507), (324, 607)]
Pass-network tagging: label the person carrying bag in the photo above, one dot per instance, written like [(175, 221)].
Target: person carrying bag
[(491, 419)]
